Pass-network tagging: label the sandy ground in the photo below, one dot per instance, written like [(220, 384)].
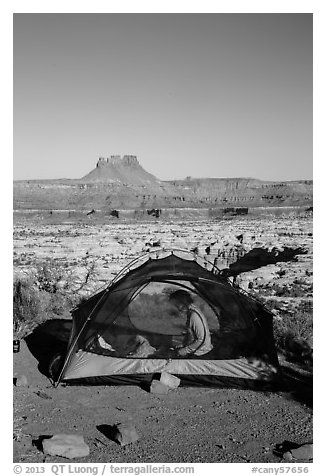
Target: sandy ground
[(190, 424)]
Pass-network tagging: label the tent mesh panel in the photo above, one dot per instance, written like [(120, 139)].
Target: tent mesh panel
[(239, 326)]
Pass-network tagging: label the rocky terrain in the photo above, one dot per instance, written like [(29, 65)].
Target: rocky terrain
[(189, 424), (110, 246), (72, 237)]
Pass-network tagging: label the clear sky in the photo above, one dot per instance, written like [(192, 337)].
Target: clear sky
[(191, 94)]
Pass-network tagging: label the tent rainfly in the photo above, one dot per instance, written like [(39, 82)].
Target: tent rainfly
[(128, 332)]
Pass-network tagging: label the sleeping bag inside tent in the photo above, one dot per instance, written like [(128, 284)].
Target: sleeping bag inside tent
[(130, 331)]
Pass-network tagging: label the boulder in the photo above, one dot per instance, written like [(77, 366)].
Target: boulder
[(67, 446), (124, 434)]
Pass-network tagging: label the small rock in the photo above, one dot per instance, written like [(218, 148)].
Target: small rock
[(67, 446), (21, 381), (158, 387), (169, 380), (43, 395), (287, 456), (124, 434)]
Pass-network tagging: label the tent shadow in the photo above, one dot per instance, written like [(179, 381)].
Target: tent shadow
[(48, 339), (259, 257), (297, 385)]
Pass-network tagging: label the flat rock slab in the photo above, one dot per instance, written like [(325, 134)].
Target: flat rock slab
[(124, 434), (303, 452), (67, 446)]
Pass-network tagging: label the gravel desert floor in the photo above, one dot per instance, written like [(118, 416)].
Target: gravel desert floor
[(189, 424)]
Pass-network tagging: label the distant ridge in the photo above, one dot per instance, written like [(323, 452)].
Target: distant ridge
[(121, 183), (126, 170)]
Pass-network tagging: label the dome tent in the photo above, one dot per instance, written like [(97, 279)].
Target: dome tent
[(126, 333)]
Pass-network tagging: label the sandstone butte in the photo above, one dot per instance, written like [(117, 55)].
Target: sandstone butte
[(122, 183)]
